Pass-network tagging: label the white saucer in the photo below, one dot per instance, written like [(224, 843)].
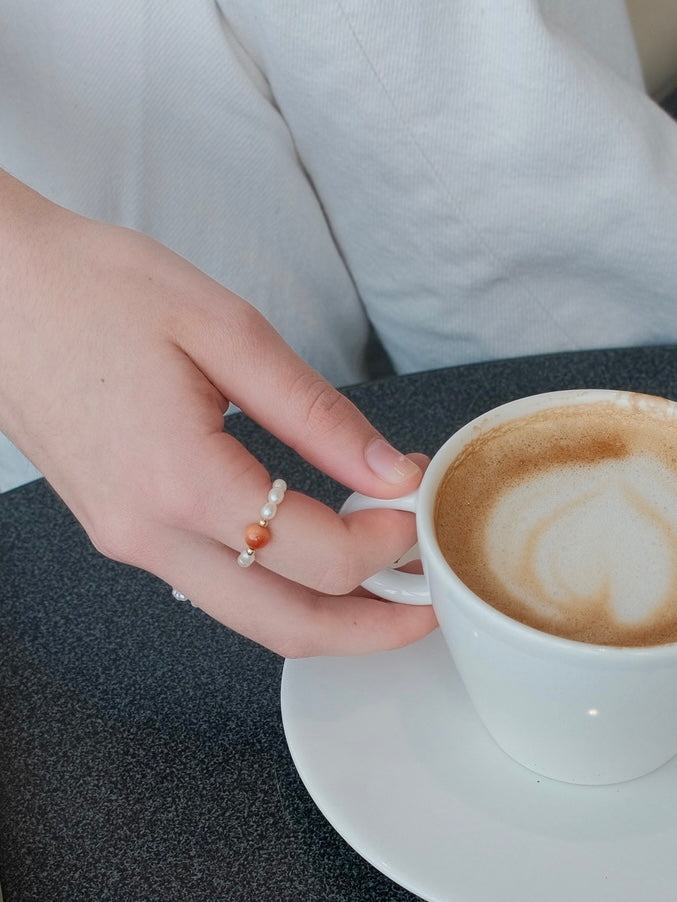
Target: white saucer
[(391, 751)]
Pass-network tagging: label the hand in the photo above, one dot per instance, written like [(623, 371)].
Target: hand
[(122, 359)]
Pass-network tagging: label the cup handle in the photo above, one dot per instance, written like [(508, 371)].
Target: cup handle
[(391, 584)]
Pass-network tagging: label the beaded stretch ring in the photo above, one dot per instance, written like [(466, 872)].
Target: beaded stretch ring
[(257, 535), (181, 597)]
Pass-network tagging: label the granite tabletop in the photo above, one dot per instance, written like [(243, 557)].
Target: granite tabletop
[(142, 754)]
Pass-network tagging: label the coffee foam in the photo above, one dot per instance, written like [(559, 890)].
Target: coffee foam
[(567, 520)]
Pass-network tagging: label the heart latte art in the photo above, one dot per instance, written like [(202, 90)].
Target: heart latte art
[(567, 520)]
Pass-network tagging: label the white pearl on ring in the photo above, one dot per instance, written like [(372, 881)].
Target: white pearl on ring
[(254, 536), (268, 510), (246, 558)]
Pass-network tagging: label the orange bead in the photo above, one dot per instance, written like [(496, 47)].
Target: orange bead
[(256, 536)]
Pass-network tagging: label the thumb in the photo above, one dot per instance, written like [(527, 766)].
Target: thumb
[(281, 392)]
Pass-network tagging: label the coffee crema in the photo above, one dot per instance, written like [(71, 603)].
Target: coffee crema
[(566, 520)]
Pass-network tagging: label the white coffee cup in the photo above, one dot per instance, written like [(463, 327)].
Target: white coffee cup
[(567, 709)]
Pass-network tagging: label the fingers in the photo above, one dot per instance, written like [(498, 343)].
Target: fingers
[(156, 350), (308, 542), (260, 373), (284, 617)]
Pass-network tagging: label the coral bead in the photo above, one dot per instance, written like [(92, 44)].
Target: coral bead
[(256, 536)]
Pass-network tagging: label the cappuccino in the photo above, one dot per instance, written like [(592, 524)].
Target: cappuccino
[(566, 520)]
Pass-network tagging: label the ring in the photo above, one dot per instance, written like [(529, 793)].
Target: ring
[(181, 597), (256, 535)]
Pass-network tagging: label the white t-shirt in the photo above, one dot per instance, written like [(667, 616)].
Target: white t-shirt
[(477, 179)]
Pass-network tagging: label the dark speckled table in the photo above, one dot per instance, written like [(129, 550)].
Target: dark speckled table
[(142, 755)]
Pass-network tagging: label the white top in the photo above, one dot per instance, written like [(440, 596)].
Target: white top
[(479, 180)]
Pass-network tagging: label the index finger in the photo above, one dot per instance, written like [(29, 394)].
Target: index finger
[(250, 363)]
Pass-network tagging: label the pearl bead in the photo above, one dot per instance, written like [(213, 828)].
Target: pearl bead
[(256, 536), (245, 560), (268, 511)]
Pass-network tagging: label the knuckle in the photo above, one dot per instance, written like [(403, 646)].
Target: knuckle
[(247, 469), (326, 408), (293, 647), (304, 641), (342, 574), (241, 330), (117, 538)]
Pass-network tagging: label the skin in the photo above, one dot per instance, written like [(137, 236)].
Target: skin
[(119, 361)]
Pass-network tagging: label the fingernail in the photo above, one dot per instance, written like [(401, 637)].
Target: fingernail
[(388, 463)]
